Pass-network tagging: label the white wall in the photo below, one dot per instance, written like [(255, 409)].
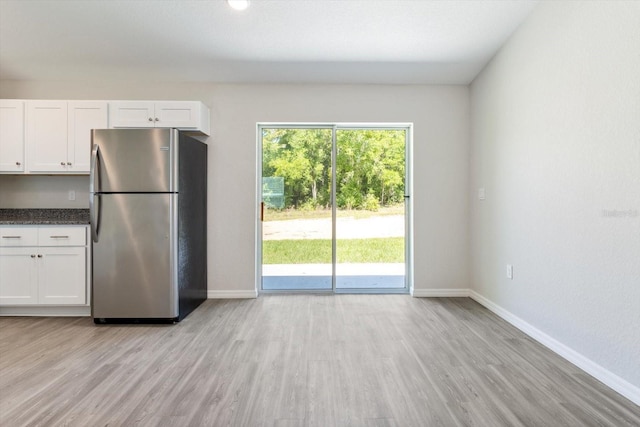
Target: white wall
[(41, 191), (441, 125), (556, 143)]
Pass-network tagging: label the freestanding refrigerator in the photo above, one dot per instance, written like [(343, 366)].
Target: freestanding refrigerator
[(148, 205)]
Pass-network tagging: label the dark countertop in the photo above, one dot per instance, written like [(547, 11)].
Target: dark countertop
[(44, 216)]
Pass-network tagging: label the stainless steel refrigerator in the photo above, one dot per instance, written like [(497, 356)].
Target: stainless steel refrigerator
[(148, 205)]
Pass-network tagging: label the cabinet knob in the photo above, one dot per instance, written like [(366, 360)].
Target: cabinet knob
[(150, 119), (18, 163), (33, 256), (157, 119), (63, 163), (68, 163), (39, 255)]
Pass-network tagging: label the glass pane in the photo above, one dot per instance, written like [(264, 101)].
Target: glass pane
[(296, 192), (370, 228)]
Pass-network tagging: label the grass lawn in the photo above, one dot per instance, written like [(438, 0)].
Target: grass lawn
[(318, 251)]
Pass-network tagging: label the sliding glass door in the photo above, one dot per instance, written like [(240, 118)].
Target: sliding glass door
[(333, 213), (296, 209), (370, 222)]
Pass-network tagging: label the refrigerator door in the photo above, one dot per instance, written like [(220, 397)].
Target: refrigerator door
[(134, 160), (135, 263)]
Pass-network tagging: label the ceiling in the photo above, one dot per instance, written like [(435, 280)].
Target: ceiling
[(292, 41)]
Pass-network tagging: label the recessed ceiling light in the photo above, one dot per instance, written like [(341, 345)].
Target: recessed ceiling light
[(238, 4)]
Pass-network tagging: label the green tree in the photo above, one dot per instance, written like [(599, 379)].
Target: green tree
[(370, 166), (370, 163), (303, 158)]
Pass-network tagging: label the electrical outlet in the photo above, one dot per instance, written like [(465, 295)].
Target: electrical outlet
[(509, 271), (72, 195)]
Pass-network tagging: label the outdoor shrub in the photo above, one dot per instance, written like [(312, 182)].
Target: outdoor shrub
[(371, 203)]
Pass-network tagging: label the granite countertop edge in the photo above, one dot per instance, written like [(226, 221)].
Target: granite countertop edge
[(44, 216)]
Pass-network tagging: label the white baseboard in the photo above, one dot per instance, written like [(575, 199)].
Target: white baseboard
[(44, 311), (439, 293), (215, 294), (613, 381)]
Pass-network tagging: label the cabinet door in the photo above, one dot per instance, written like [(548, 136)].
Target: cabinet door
[(178, 114), (11, 136), (18, 279), (131, 114), (83, 116), (62, 275), (46, 136)]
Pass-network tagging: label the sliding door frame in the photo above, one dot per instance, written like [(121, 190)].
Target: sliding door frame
[(408, 204)]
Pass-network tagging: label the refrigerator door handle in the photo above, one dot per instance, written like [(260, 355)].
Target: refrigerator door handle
[(95, 153), (94, 212)]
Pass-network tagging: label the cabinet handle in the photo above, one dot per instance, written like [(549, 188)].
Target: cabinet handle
[(12, 237), (59, 237), (157, 119), (150, 119), (33, 256), (68, 163), (63, 163), (18, 163), (39, 255)]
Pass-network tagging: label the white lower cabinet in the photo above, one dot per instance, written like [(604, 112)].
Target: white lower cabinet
[(61, 276), (53, 272), (18, 276)]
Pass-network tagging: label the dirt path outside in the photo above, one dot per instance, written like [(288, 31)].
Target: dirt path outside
[(346, 228)]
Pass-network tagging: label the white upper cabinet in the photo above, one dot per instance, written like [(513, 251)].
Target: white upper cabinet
[(46, 136), (184, 115), (11, 135), (131, 114), (181, 115), (58, 134), (83, 116), (54, 136)]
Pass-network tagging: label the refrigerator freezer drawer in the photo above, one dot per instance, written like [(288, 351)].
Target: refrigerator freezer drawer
[(134, 270)]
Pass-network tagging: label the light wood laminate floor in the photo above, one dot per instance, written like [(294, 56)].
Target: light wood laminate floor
[(298, 360)]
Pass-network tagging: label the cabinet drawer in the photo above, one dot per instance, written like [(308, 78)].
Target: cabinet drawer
[(62, 236), (18, 236)]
